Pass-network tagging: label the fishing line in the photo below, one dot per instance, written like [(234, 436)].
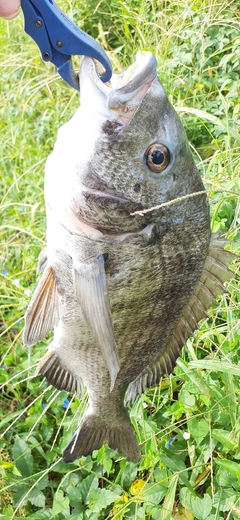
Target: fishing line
[(169, 203)]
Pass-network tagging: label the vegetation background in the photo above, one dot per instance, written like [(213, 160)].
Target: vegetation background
[(188, 426)]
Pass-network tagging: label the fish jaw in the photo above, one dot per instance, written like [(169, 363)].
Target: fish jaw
[(112, 106), (69, 193), (97, 174), (131, 113), (118, 99)]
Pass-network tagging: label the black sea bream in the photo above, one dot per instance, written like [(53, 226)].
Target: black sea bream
[(122, 291)]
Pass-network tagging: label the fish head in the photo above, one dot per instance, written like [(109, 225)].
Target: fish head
[(133, 150)]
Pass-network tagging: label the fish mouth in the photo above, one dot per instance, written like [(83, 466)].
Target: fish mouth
[(120, 97)]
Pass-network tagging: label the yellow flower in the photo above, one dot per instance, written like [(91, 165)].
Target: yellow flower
[(119, 503), (199, 86), (137, 486)]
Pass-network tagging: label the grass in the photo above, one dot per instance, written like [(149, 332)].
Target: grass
[(188, 426)]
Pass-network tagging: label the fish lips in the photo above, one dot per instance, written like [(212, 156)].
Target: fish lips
[(119, 98), (108, 212)]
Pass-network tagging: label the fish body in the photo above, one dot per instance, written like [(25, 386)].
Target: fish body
[(122, 289)]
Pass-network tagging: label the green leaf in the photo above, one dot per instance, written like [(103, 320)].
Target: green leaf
[(224, 479), (223, 497), (75, 499), (71, 482), (104, 458), (183, 514), (6, 465), (8, 419), (36, 498), (23, 457), (186, 398), (60, 502), (225, 437), (168, 503), (202, 114), (202, 507), (43, 482), (231, 396), (177, 468), (218, 366), (19, 494), (128, 473), (154, 513), (41, 515), (101, 498), (153, 492), (186, 498), (198, 429), (88, 483), (230, 466), (195, 380)]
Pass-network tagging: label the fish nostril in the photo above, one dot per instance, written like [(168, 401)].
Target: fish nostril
[(137, 187)]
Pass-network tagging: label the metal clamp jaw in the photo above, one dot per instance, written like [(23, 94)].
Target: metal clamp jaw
[(59, 39)]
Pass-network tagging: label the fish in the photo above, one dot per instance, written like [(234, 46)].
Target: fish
[(130, 266)]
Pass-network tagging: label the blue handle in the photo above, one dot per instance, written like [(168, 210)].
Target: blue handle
[(58, 39)]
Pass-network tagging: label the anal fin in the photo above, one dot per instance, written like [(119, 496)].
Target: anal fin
[(43, 312), (58, 375), (92, 293)]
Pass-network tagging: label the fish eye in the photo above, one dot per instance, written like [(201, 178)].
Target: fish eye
[(157, 157)]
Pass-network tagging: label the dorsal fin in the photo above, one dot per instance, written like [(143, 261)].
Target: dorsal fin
[(92, 292), (43, 312), (215, 272)]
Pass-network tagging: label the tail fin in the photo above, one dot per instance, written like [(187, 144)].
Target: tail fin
[(93, 433)]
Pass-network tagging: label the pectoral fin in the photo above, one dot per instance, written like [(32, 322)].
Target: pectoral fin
[(92, 292), (43, 312), (215, 272)]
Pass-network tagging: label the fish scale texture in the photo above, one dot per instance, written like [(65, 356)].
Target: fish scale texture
[(122, 291)]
